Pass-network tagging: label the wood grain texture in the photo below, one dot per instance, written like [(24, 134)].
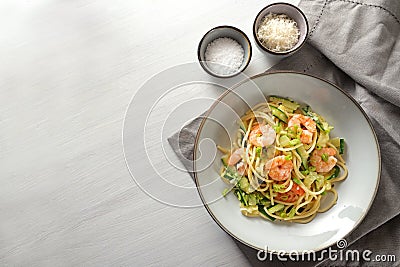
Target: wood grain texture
[(68, 71)]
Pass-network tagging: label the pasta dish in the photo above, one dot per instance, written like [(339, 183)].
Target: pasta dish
[(283, 162)]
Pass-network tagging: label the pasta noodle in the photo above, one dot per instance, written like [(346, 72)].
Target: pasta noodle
[(283, 162)]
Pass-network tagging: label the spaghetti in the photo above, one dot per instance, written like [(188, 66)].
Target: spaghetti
[(283, 162)]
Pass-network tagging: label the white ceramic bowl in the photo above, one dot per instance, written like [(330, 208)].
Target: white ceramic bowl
[(362, 156), (220, 32), (292, 12)]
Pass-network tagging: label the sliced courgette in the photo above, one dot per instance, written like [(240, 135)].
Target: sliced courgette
[(224, 160), (252, 199), (241, 196), (335, 141), (335, 173), (341, 147), (276, 208), (290, 104), (323, 139), (244, 184), (230, 174), (263, 213), (338, 143), (303, 155), (321, 123), (279, 114), (284, 140), (226, 191)]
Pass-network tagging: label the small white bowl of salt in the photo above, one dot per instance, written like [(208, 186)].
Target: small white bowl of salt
[(224, 51)]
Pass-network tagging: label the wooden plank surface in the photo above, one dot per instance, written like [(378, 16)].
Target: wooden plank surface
[(68, 71)]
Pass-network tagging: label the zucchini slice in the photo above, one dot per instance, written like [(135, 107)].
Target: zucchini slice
[(279, 114), (285, 102), (338, 143), (277, 207), (303, 155)]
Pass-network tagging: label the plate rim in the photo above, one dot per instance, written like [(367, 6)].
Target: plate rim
[(230, 90)]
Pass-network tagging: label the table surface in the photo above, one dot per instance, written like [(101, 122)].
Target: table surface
[(69, 70)]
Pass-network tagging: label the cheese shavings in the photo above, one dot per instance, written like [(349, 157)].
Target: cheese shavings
[(278, 32)]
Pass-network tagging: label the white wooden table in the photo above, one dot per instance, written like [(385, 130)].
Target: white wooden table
[(68, 71)]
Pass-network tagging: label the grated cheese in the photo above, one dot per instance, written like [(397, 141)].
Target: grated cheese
[(278, 32)]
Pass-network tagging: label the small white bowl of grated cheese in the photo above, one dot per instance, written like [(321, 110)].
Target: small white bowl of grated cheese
[(280, 29), (224, 51)]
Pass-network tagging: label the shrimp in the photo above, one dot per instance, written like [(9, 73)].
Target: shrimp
[(323, 160), (291, 196), (241, 167), (301, 120), (236, 156), (262, 135), (279, 168), (306, 137), (308, 123)]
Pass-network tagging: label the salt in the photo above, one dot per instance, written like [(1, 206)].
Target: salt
[(224, 56)]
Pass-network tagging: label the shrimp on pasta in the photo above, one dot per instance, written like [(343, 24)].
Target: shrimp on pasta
[(284, 162)]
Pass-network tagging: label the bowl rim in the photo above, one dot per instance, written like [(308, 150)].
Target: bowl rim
[(242, 68), (287, 51), (231, 90)]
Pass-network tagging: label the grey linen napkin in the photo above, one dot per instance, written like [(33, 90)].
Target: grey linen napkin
[(356, 45)]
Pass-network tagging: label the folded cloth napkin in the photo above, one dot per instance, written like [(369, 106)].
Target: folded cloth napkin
[(356, 45)]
